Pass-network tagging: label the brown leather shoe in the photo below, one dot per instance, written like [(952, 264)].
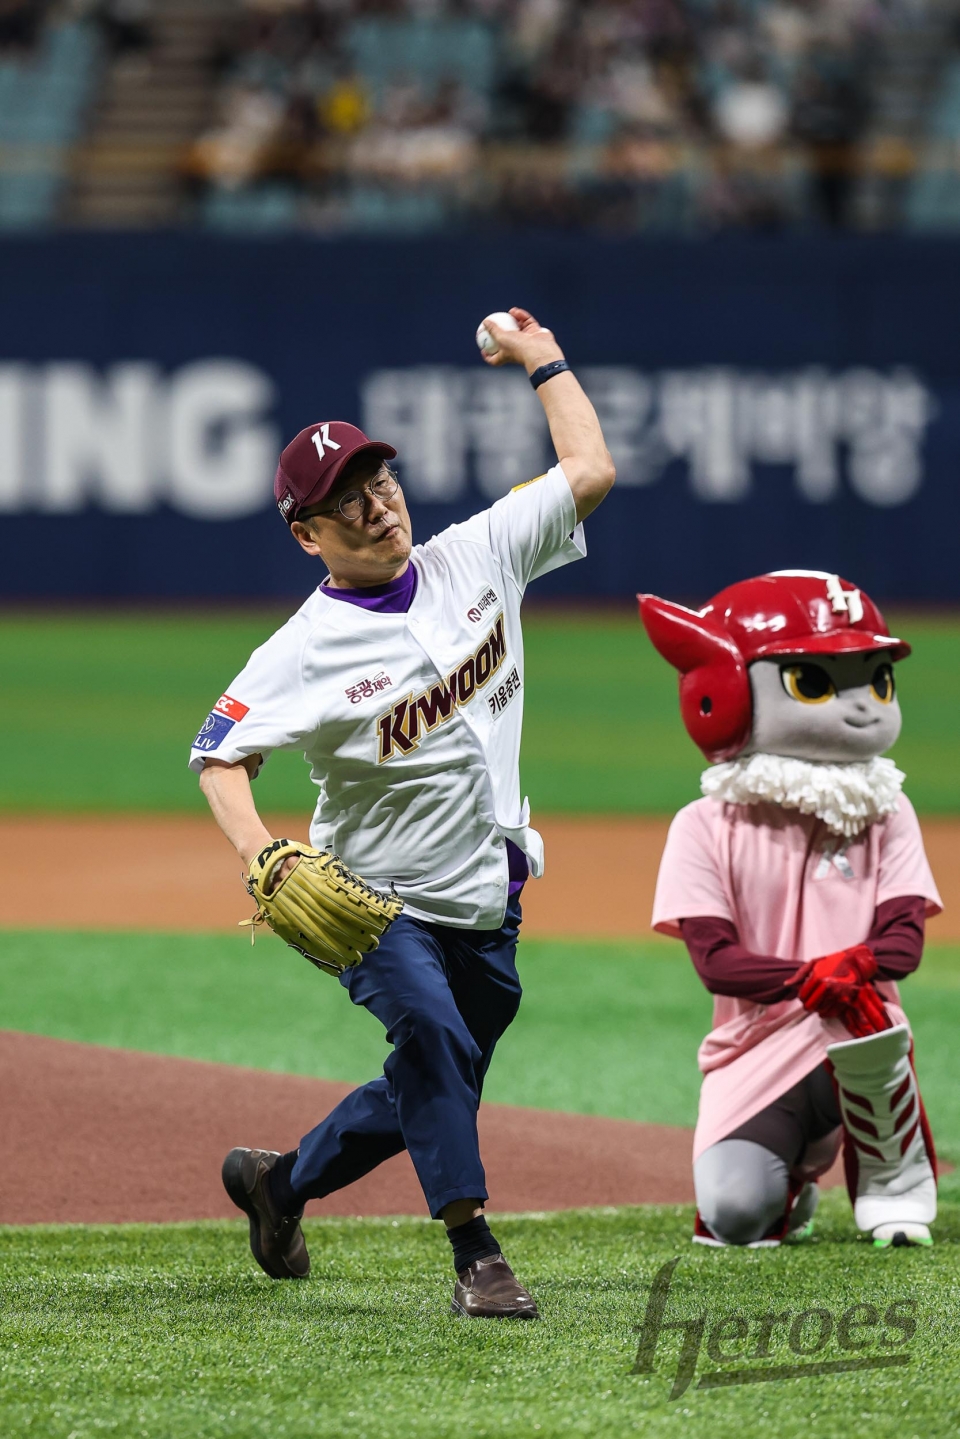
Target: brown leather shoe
[(276, 1239), (489, 1289)]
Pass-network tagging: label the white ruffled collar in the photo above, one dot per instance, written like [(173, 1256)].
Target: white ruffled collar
[(847, 797)]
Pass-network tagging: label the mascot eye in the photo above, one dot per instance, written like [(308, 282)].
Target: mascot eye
[(882, 686), (810, 684)]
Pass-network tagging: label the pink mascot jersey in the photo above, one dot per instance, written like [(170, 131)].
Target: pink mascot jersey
[(794, 892), (803, 846)]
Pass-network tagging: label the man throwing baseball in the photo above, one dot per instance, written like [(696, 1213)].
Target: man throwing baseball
[(401, 680)]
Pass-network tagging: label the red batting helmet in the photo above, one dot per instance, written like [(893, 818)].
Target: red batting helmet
[(789, 612)]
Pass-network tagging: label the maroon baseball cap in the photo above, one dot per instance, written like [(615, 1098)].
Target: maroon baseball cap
[(311, 463)]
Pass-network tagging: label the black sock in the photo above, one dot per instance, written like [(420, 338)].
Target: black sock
[(278, 1184), (471, 1241)]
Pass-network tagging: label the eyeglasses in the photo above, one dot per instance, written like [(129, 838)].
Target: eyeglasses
[(352, 502)]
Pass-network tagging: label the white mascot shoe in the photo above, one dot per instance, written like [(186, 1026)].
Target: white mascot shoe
[(890, 1171), (896, 1235)]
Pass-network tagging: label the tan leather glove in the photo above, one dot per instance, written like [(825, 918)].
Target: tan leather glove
[(321, 908)]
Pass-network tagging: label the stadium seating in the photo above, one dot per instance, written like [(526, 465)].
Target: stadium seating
[(514, 113), (428, 51), (255, 209), (933, 200), (43, 97)]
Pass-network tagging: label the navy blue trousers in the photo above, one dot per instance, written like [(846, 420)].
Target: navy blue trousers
[(444, 996)]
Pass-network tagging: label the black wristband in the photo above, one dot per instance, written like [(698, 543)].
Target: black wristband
[(547, 372)]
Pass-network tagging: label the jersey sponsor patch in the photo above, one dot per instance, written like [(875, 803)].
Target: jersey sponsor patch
[(363, 689), (232, 708), (213, 731), (503, 694), (219, 722), (486, 600), (400, 730)]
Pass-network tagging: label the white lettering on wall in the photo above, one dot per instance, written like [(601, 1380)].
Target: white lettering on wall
[(222, 455), (863, 428), (14, 394), (701, 422), (438, 416), (96, 432), (202, 440), (506, 428), (625, 398), (129, 439), (420, 409)]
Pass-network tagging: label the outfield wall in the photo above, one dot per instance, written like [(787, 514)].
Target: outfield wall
[(770, 403)]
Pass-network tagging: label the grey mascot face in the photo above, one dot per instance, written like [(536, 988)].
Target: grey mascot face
[(831, 708)]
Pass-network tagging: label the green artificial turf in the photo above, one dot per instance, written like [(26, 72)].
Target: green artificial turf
[(604, 1028), (99, 712), (595, 1022), (170, 1331)]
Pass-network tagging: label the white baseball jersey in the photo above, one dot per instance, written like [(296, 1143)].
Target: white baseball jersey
[(411, 722)]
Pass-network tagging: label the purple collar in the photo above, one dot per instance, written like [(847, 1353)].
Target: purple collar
[(393, 598)]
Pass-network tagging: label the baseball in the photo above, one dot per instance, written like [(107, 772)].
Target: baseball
[(485, 340)]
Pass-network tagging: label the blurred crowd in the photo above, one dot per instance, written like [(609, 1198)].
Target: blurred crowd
[(124, 24), (20, 23), (619, 114)]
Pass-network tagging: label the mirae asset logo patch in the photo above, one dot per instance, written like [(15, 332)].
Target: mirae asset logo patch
[(484, 601), (399, 731)]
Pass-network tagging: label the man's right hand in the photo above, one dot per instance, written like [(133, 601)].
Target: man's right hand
[(531, 345)]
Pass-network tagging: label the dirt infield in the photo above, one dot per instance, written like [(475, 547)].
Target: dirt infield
[(96, 1135), (109, 1135), (101, 1135), (178, 873)]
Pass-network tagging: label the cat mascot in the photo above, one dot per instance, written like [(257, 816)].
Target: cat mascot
[(800, 887)]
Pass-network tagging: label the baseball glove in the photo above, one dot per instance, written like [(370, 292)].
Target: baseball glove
[(321, 909)]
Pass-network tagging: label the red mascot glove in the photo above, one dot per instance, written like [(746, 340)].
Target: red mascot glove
[(866, 1015), (827, 984)]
